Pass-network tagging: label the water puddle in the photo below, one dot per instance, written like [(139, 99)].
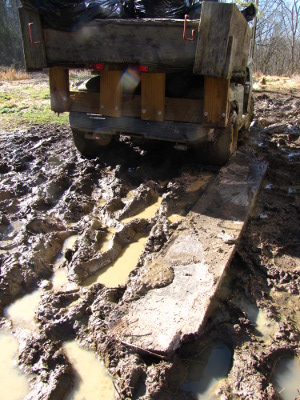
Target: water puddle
[(264, 326), (286, 378), (199, 183), (101, 202), (59, 278), (207, 371), (179, 209), (174, 218), (14, 385), (293, 155), (9, 232), (54, 161), (147, 213), (91, 380), (117, 273), (105, 241), (69, 243), (22, 311), (128, 196)]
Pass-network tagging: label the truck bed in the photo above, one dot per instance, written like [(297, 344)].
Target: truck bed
[(219, 48)]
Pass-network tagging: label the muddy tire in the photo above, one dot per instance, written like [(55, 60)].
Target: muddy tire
[(220, 147), (91, 147)]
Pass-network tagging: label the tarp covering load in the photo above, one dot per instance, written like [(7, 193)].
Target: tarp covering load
[(71, 15)]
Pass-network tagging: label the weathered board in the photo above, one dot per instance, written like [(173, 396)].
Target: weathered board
[(216, 105), (184, 110), (223, 41), (197, 254), (152, 42), (181, 132), (34, 54), (111, 93), (59, 89), (153, 96)]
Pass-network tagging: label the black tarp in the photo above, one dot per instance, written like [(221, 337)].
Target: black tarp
[(70, 15)]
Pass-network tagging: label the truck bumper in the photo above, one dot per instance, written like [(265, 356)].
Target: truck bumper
[(178, 132)]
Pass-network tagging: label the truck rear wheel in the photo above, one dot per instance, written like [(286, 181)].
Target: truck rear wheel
[(222, 145), (91, 147)]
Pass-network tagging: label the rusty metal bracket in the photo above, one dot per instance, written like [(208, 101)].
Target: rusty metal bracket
[(184, 30), (30, 24)]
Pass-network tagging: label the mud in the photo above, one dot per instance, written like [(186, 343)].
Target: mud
[(49, 193)]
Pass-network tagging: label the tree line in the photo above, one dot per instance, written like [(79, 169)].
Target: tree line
[(11, 52), (276, 50)]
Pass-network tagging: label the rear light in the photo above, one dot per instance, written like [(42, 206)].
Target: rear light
[(143, 68), (97, 66)]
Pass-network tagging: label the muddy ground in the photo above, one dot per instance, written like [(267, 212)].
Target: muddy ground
[(49, 192)]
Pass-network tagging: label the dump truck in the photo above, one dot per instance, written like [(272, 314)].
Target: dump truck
[(185, 81)]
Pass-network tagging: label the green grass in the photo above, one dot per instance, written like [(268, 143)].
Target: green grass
[(23, 103)]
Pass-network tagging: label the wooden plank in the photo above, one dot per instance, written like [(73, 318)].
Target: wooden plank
[(34, 54), (195, 258), (242, 34), (216, 105), (153, 96), (184, 110), (182, 132), (147, 42), (59, 89), (212, 44), (111, 93), (223, 41)]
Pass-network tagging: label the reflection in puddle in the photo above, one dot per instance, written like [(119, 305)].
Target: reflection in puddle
[(207, 371), (145, 214), (199, 183), (69, 243), (104, 243), (264, 326), (116, 273), (22, 311), (101, 202), (179, 208), (91, 379), (286, 378), (59, 278), (174, 218), (14, 385)]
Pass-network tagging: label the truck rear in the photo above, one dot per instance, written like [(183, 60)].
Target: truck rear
[(179, 80)]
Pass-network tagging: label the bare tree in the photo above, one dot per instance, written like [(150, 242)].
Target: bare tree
[(291, 16)]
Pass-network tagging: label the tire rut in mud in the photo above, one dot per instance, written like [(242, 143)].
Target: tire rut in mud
[(50, 195)]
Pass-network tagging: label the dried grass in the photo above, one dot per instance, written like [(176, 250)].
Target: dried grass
[(10, 74), (276, 83)]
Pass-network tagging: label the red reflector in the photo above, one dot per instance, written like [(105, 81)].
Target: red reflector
[(97, 66), (143, 68)]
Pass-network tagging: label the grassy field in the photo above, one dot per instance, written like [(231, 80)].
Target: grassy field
[(26, 102)]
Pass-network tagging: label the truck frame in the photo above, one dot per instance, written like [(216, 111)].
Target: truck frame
[(191, 78)]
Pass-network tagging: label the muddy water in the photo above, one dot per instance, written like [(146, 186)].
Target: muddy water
[(117, 273), (180, 207), (174, 218), (14, 385), (91, 379), (22, 311), (286, 378), (207, 371), (59, 278), (265, 326), (105, 241), (147, 213)]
